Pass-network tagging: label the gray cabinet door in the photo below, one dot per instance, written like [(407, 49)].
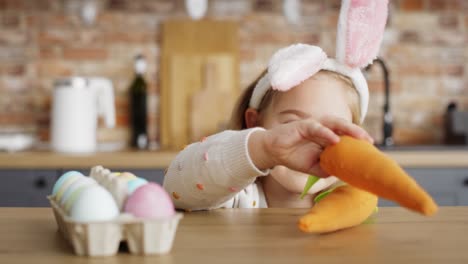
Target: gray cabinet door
[(448, 187), (29, 188), (151, 175), (154, 175), (26, 188)]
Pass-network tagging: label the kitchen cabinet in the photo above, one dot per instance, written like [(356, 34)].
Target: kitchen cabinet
[(154, 175), (29, 188), (448, 186), (26, 188)]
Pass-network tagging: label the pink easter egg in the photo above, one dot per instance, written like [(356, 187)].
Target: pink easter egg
[(150, 201)]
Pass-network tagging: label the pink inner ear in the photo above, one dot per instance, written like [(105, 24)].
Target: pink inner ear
[(365, 25)]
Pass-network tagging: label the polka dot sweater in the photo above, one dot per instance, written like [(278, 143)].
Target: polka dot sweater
[(216, 172)]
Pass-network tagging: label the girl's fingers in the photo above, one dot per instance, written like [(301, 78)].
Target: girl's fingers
[(314, 131), (344, 127)]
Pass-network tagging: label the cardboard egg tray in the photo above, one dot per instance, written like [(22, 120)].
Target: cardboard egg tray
[(143, 236)]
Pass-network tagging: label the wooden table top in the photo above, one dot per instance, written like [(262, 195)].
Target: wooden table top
[(29, 235)]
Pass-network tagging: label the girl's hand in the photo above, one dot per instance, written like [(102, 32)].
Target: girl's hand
[(297, 145)]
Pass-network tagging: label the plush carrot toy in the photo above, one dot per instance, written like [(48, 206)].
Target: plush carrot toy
[(363, 166), (346, 206)]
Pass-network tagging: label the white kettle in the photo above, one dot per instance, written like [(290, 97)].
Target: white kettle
[(77, 103)]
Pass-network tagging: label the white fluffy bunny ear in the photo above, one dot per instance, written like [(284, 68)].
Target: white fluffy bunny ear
[(360, 30), (292, 65)]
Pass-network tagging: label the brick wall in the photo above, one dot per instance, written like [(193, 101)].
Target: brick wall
[(425, 48)]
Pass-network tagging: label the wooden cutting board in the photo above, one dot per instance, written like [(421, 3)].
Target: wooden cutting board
[(211, 107), (185, 80), (186, 47)]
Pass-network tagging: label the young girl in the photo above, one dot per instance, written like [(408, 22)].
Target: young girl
[(281, 140), (282, 122)]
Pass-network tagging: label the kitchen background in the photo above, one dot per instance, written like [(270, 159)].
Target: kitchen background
[(425, 48)]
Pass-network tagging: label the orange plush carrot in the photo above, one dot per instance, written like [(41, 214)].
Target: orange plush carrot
[(360, 164), (345, 207)]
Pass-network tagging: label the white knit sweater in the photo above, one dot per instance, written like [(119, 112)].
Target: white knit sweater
[(216, 172)]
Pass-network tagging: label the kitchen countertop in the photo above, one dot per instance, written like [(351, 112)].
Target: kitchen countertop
[(425, 158), (122, 159), (394, 235)]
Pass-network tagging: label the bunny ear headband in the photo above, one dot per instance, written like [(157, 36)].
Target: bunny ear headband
[(360, 30)]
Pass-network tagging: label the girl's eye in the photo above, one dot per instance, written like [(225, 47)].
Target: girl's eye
[(288, 118), (288, 121)]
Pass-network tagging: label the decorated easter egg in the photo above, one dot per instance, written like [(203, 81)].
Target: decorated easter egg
[(69, 181), (115, 174), (93, 203), (150, 201), (62, 179), (75, 185), (127, 176), (133, 184)]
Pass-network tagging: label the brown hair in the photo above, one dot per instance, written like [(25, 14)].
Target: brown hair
[(237, 121)]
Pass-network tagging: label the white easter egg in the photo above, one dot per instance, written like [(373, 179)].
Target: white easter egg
[(94, 203)]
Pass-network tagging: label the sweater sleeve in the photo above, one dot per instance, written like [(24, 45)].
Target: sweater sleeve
[(207, 174)]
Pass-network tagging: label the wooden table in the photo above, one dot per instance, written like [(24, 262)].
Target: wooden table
[(394, 236)]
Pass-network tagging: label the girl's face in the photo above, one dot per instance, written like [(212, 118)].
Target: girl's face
[(318, 96)]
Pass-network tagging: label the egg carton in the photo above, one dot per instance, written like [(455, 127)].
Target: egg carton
[(143, 236), (114, 184)]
